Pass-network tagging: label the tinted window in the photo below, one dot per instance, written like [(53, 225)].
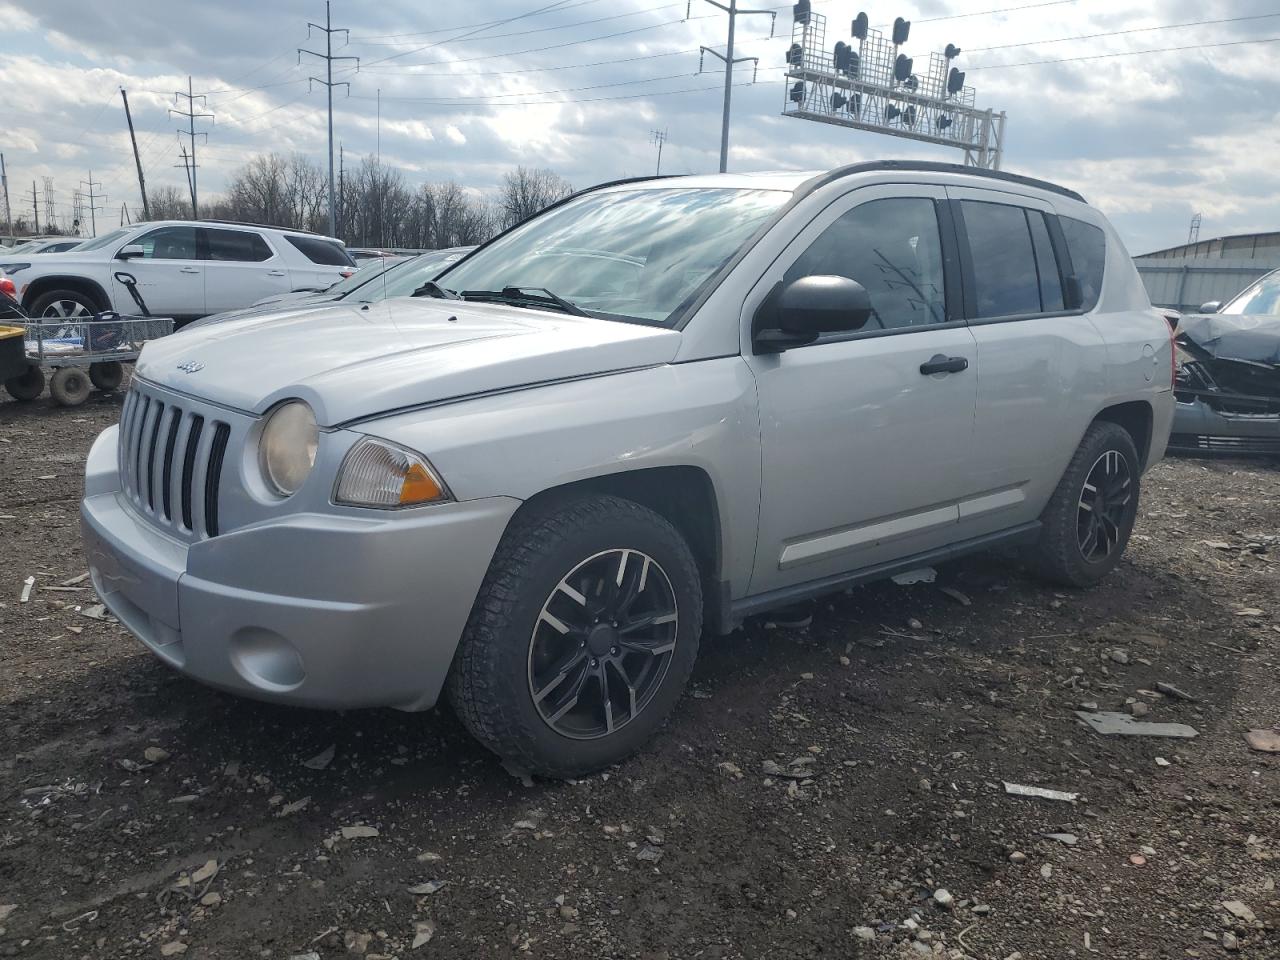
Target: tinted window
[(324, 252), (1046, 264), (1004, 264), (892, 248), (1088, 248), (237, 245), (169, 243)]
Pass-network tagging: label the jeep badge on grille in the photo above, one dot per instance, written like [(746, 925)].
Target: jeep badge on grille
[(191, 366)]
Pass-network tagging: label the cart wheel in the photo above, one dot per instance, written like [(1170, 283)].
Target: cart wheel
[(107, 374), (27, 386), (70, 386)]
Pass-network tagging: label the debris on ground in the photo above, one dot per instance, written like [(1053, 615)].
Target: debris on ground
[(957, 596), (1018, 789), (426, 889), (1124, 725), (920, 575), (1169, 690), (27, 584), (322, 759), (358, 832), (1264, 741)]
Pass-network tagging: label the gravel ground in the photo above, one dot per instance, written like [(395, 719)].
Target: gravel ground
[(834, 791)]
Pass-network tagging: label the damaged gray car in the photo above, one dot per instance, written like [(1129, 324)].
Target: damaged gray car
[(1227, 382)]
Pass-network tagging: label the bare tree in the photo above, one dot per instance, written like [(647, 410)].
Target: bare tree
[(168, 202), (525, 192)]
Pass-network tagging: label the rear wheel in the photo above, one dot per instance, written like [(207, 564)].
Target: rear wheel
[(1088, 521), (70, 386), (107, 374), (581, 638), (26, 386)]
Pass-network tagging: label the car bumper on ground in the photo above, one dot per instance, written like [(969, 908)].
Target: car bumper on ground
[(316, 610), (1199, 429)]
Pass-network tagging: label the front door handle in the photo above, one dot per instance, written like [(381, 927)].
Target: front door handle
[(189, 270), (941, 363), (275, 273)]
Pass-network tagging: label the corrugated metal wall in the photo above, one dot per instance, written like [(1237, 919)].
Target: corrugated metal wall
[(1186, 282)]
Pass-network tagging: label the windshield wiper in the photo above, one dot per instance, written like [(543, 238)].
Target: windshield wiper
[(517, 296), (433, 289)]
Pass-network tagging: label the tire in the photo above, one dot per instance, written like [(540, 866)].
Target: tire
[(1081, 539), (106, 375), (513, 644), (70, 386), (64, 305), (26, 386)]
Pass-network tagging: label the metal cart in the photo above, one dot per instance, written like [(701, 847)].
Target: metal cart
[(81, 354)]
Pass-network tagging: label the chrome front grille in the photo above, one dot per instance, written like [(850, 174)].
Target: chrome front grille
[(171, 460)]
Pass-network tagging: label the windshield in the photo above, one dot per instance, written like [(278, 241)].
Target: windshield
[(105, 239), (404, 282), (1263, 298), (634, 255), (362, 276)]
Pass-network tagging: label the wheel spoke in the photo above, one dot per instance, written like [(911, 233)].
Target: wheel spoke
[(571, 700), (655, 648), (631, 687), (643, 623), (602, 678), (572, 661)]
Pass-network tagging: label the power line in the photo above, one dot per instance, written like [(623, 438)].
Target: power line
[(1119, 33), (1123, 53), (521, 16), (527, 93), (561, 26), (359, 38)]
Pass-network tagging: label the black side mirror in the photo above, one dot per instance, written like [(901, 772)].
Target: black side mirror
[(808, 307), (131, 251), (1213, 306)]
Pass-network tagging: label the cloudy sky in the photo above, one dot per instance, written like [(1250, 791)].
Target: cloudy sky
[(470, 90)]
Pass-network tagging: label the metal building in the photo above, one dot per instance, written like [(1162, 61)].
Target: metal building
[(1186, 276)]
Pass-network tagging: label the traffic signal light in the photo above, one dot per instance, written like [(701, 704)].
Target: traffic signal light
[(842, 55), (891, 112), (944, 122), (838, 100), (902, 68), (901, 30), (797, 92), (951, 52), (801, 11), (795, 55), (909, 116), (955, 81), (860, 26)]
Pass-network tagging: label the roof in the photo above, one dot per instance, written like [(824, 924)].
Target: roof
[(1244, 246)]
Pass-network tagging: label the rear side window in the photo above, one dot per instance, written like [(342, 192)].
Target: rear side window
[(1006, 282), (237, 245), (1046, 265), (892, 248), (1088, 248), (324, 252)]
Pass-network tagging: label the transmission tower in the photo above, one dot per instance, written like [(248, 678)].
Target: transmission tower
[(1193, 234), (77, 211), (734, 12), (90, 186), (49, 219), (191, 117), (329, 30)]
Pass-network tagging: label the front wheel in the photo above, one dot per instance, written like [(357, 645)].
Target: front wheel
[(581, 638), (1088, 521)]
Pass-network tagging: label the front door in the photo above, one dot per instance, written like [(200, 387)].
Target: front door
[(170, 274), (866, 455)]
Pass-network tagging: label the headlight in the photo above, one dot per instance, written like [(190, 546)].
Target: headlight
[(376, 473), (12, 268), (287, 448)]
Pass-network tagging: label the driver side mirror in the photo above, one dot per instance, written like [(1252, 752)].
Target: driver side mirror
[(1213, 306), (808, 307), (131, 251)]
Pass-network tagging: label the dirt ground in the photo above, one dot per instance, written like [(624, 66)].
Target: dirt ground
[(142, 815)]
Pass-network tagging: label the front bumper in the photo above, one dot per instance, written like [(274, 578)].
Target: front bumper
[(1199, 429), (318, 610)]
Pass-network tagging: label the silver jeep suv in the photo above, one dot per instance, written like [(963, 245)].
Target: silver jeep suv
[(653, 410)]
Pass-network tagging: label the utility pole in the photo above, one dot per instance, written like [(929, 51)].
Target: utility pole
[(191, 116), (659, 137), (342, 196), (90, 184), (186, 166), (329, 30), (734, 12), (35, 207), (142, 183), (4, 181)]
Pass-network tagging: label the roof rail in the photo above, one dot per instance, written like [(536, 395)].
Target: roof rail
[(268, 226), (930, 166)]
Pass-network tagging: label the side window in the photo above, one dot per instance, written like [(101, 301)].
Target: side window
[(169, 243), (236, 245), (1088, 248), (892, 248), (323, 252), (1046, 264), (1005, 280)]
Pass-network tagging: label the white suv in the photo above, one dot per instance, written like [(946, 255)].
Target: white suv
[(184, 269)]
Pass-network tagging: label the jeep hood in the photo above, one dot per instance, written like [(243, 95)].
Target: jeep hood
[(353, 362)]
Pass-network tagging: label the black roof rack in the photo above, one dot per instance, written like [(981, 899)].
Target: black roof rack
[(267, 226), (930, 166)]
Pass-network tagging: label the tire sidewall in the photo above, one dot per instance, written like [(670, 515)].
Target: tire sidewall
[(106, 375), (70, 386), (41, 302), (1110, 437), (627, 530)]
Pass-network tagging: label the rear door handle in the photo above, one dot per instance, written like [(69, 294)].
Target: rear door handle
[(275, 273), (941, 363), (189, 270)]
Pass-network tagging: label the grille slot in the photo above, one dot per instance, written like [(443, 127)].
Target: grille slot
[(171, 460)]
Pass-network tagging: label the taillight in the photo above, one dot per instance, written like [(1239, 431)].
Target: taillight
[(6, 286), (1173, 356)]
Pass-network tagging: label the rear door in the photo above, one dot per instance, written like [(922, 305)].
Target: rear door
[(316, 263), (242, 269), (1041, 363), (170, 274), (865, 454)]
